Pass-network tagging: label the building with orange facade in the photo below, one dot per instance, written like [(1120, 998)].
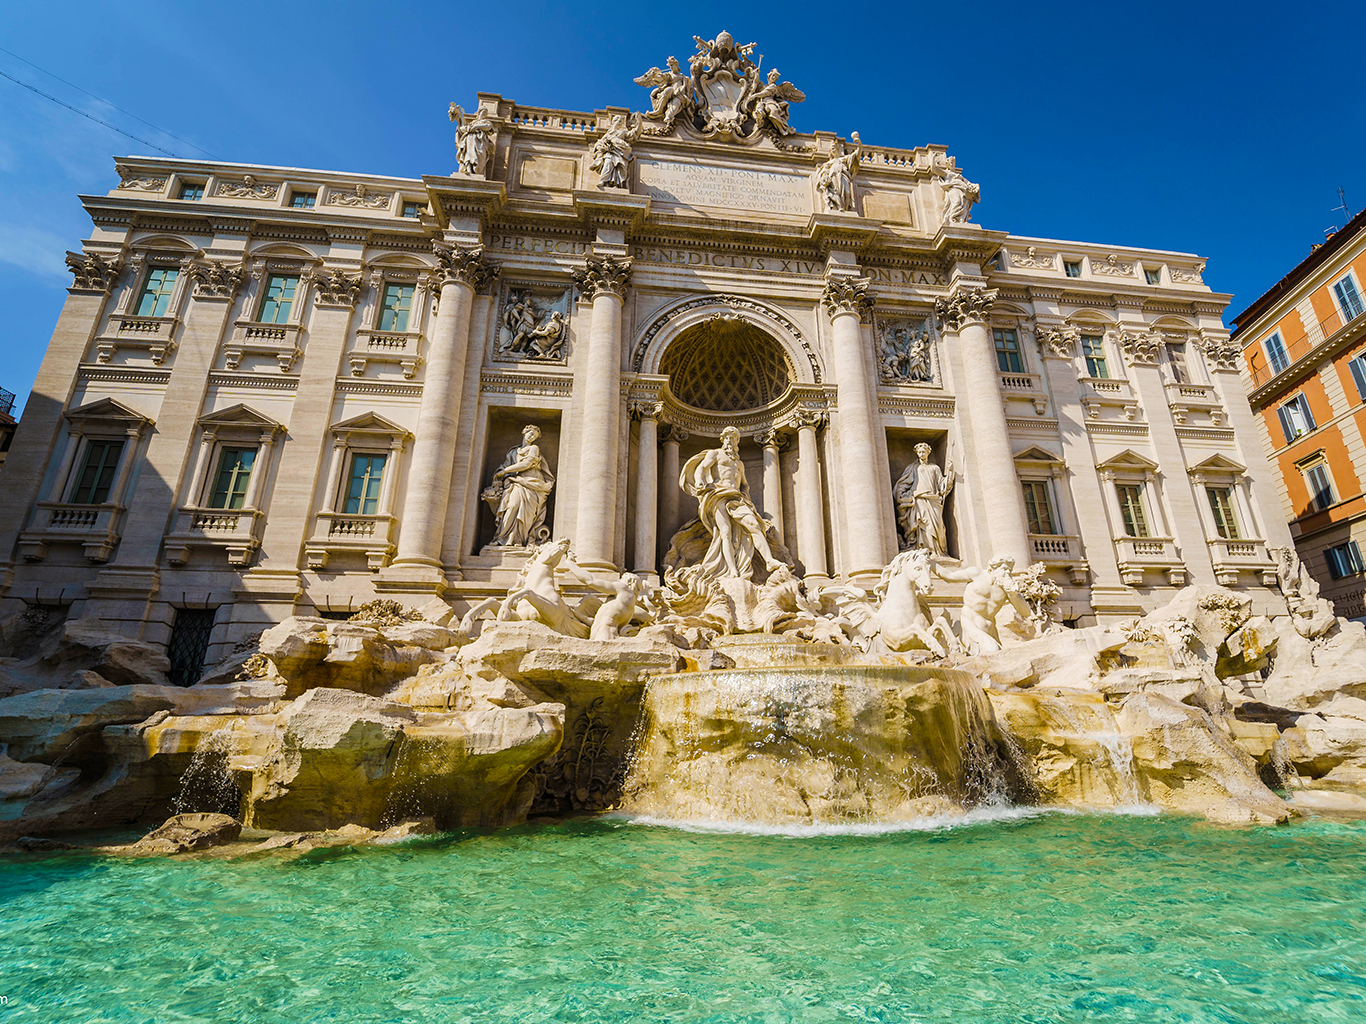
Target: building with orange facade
[(1304, 354)]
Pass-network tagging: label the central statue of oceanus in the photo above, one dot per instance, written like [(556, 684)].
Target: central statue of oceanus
[(716, 478)]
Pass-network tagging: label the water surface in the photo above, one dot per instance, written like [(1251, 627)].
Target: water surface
[(1044, 918)]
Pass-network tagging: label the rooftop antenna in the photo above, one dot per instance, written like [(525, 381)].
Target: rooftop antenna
[(1342, 200)]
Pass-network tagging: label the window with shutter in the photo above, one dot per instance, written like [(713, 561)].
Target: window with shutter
[(1275, 353), (1358, 367), (1221, 504), (1131, 508), (1349, 298), (97, 472)]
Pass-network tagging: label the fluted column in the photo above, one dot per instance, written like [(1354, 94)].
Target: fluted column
[(429, 477), (847, 301), (647, 484), (669, 492), (603, 281), (810, 509), (965, 312), (772, 442)]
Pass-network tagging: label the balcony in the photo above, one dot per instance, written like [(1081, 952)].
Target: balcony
[(401, 347), (250, 338), (154, 334), (1183, 399), (1234, 557), (1027, 386), (1062, 551), (94, 527), (1330, 328), (232, 530), (340, 532), (1100, 393), (1138, 555)]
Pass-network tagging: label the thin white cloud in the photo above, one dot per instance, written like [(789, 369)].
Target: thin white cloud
[(34, 249)]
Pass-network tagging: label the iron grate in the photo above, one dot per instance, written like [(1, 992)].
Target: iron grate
[(189, 643)]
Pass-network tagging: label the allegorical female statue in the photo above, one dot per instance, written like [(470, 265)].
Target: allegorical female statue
[(520, 489), (919, 495)]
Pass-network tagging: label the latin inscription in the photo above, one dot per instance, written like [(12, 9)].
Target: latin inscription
[(537, 245), (729, 187)]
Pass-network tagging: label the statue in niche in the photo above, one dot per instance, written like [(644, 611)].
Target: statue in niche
[(612, 153), (474, 139), (532, 330), (769, 102), (716, 478), (959, 194), (905, 355), (670, 95), (518, 494), (919, 496), (988, 591), (835, 177)]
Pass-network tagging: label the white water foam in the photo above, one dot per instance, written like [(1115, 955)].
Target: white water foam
[(930, 823)]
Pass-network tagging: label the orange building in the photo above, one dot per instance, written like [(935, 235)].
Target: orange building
[(1304, 354)]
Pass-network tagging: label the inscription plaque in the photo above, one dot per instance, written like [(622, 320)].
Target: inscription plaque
[(729, 187)]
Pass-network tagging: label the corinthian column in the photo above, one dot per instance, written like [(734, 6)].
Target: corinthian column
[(848, 303), (463, 270), (772, 442), (669, 491), (810, 511), (647, 484), (603, 281), (965, 313)]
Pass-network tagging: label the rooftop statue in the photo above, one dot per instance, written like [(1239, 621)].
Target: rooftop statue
[(475, 137), (959, 193), (835, 178), (723, 94), (612, 153)]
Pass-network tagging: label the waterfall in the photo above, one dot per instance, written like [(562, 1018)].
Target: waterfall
[(207, 785)]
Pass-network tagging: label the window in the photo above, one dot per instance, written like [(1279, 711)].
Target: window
[(1296, 418), (1153, 276), (156, 291), (1344, 560), (1008, 356), (188, 645), (1358, 368), (279, 298), (413, 209), (1275, 353), (191, 190), (1176, 359), (362, 495), (303, 200), (234, 472), (1320, 486), (1072, 268), (1131, 508), (1093, 348), (97, 472), (1221, 504), (394, 307), (1039, 507), (1349, 299)]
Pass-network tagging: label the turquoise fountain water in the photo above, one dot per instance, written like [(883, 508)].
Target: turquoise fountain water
[(1026, 918)]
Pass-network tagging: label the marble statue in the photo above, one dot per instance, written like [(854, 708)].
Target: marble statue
[(987, 592), (521, 486), (903, 620), (959, 195), (670, 94), (919, 496), (835, 177), (474, 139), (612, 153), (769, 102), (615, 613), (536, 597), (716, 478)]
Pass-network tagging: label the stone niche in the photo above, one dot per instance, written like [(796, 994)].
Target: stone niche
[(504, 433), (901, 442)]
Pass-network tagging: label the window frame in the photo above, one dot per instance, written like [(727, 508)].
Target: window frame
[(185, 185), (82, 465), (1277, 365), (295, 194), (1225, 519), (1356, 366), (1090, 360), (218, 470), (1344, 560), (418, 207), (382, 308), (165, 293), (1153, 277), (1350, 280), (349, 479), (1300, 403), (1126, 522), (1031, 488), (997, 337), (1068, 266), (265, 297)]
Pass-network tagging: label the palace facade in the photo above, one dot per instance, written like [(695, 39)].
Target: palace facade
[(276, 391)]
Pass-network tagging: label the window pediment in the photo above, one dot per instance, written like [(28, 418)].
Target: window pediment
[(109, 411), (1128, 461)]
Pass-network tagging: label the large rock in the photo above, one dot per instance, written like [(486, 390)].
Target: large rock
[(1306, 673), (817, 745), (82, 646), (310, 653), (184, 833), (346, 758)]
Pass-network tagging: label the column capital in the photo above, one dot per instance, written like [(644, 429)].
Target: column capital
[(847, 295), (964, 306), (671, 433), (1058, 340), (216, 279), (465, 264), (92, 272), (815, 419), (644, 409), (1139, 346), (774, 438), (604, 274), (337, 288), (1221, 351)]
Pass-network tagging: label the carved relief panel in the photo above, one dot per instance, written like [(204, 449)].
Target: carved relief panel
[(533, 323), (906, 352)]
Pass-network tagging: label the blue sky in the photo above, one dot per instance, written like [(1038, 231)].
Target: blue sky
[(1217, 128)]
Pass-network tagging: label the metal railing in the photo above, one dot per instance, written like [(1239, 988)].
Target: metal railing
[(6, 402), (1297, 348)]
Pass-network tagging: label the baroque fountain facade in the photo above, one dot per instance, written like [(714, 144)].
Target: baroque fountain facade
[(676, 461)]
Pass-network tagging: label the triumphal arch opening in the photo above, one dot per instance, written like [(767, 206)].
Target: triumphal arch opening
[(690, 356)]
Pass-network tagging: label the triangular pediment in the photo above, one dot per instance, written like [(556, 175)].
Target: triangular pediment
[(371, 423), (1218, 464), (239, 416), (107, 409), (1036, 454), (1128, 459)]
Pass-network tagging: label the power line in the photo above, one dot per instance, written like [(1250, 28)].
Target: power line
[(135, 117), (91, 117)]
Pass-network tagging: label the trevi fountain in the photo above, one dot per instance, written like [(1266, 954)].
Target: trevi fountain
[(858, 756)]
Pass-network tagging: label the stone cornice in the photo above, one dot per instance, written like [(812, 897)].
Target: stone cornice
[(464, 195)]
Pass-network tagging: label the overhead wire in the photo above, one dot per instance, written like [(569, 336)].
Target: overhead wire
[(91, 117)]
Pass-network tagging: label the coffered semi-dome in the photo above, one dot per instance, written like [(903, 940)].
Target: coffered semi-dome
[(726, 366)]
